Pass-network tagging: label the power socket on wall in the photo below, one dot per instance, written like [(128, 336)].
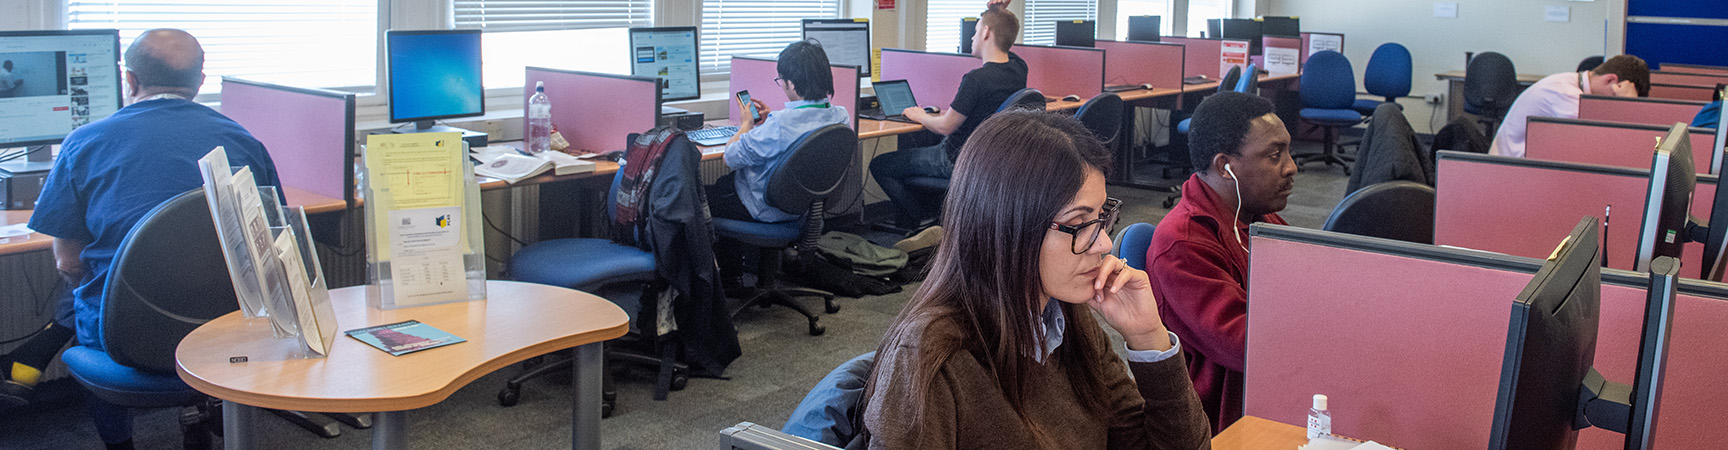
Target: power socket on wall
[(1433, 99)]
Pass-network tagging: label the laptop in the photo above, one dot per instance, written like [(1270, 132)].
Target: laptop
[(895, 96)]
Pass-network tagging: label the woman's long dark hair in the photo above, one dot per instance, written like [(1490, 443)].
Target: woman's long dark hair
[(1016, 172)]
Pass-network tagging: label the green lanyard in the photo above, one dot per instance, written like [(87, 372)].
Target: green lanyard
[(813, 105)]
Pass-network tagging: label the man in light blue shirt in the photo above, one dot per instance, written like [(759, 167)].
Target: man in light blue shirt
[(759, 149)]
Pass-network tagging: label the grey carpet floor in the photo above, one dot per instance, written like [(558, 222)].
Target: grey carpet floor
[(779, 366)]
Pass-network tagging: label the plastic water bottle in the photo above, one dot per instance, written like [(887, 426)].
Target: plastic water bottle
[(539, 120), (1319, 419)]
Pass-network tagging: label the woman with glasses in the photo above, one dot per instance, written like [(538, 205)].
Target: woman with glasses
[(999, 348)]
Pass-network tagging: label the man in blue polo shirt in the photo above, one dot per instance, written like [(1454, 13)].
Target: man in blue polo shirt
[(113, 171)]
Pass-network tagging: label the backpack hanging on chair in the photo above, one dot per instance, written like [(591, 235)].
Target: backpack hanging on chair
[(636, 180)]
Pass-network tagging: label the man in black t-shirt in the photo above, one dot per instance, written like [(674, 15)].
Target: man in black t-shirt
[(981, 91)]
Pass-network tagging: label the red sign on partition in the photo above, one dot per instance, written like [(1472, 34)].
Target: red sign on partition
[(884, 4)]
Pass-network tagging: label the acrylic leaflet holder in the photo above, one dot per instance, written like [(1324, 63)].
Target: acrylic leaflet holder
[(424, 243)]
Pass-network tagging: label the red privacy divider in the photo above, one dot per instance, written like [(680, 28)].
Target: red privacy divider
[(1201, 56), (1409, 348), (1061, 71), (1651, 111), (934, 77), (1690, 68), (308, 132), (1688, 79), (1513, 205), (1680, 92), (1608, 143), (757, 76), (1142, 62), (596, 112)]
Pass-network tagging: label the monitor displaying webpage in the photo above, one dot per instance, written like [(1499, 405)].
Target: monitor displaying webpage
[(668, 53), (53, 84), (846, 42)]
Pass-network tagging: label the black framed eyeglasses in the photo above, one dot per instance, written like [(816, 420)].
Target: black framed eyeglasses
[(1086, 234)]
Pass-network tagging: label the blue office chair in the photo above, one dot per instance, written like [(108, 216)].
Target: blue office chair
[(829, 413), (814, 169), (1401, 210), (1232, 82), (1388, 76), (1132, 243), (1328, 95), (1490, 87), (147, 308), (1103, 116), (1250, 81)]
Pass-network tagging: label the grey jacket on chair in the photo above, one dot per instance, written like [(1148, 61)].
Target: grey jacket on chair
[(1389, 152)]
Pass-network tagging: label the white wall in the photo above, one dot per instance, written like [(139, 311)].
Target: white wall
[(1514, 28)]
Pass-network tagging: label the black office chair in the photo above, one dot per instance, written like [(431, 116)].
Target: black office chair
[(813, 171), (1102, 115), (1231, 79), (1490, 87), (1590, 63), (1027, 98), (1400, 210)]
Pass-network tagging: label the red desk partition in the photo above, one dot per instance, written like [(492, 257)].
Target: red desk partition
[(1687, 79), (1200, 56), (1693, 68), (934, 77), (1059, 71), (308, 132), (1651, 111), (757, 76), (597, 111), (1511, 206), (1407, 340), (1608, 143), (1682, 92), (1137, 62)]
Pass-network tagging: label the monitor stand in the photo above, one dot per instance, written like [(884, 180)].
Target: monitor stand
[(40, 159), (474, 139)]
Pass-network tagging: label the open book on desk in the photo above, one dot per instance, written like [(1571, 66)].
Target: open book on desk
[(512, 166)]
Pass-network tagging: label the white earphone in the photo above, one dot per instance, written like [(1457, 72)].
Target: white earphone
[(1236, 217)]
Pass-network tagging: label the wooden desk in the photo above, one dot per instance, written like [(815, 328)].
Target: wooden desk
[(1254, 433), (21, 244), (1455, 90), (520, 321)]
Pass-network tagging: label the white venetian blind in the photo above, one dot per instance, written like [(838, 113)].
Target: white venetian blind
[(942, 23), (544, 15), (1041, 16), (754, 28), (308, 43)]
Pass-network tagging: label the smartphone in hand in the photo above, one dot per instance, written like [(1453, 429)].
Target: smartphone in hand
[(744, 100)]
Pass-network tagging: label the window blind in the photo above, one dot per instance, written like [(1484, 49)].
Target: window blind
[(754, 28), (1039, 27), (942, 23), (545, 15), (309, 43)]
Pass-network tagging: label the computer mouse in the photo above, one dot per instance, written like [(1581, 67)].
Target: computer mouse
[(1071, 98), (932, 110), (1146, 86)]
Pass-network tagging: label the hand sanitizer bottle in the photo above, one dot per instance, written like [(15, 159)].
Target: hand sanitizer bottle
[(1319, 419)]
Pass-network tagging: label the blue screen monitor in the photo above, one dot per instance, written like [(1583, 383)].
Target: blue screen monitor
[(668, 53), (434, 74), (52, 82)]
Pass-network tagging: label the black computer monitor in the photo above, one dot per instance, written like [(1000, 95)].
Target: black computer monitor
[(434, 74), (1550, 345), (668, 53), (1665, 225), (58, 81), (1280, 26), (1241, 29), (1145, 28), (1076, 33), (968, 28), (846, 41)]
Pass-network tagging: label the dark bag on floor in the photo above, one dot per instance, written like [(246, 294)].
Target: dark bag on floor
[(821, 274)]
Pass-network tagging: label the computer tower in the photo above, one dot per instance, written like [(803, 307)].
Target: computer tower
[(1145, 28), (968, 28)]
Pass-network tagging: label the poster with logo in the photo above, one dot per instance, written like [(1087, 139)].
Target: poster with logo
[(1232, 53)]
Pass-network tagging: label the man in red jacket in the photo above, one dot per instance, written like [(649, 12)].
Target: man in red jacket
[(1198, 260)]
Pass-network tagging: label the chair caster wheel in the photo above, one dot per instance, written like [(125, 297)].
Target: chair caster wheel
[(829, 306), (679, 382), (508, 396), (606, 410), (816, 330)]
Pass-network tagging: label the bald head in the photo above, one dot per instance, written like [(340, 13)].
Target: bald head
[(166, 60)]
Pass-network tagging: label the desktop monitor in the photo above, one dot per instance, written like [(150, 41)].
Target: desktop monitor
[(1145, 28), (1716, 237), (1280, 26), (846, 41), (57, 82), (1076, 33), (1241, 29), (434, 74), (668, 53), (968, 28), (1665, 225)]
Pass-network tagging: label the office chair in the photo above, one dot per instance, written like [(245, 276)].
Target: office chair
[(1103, 116), (1328, 93), (1400, 210), (1249, 82), (1230, 82), (622, 274), (828, 414), (1490, 86), (1388, 75), (1028, 98), (814, 169), (1132, 243), (1589, 63), (1233, 81)]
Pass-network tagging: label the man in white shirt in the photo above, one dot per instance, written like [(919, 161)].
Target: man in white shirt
[(1557, 96), (8, 82)]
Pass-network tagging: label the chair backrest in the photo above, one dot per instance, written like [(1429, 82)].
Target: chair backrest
[(828, 413), (814, 168), (168, 277), (1027, 98), (1389, 71), (1102, 115), (1590, 63), (1132, 242), (1228, 83), (1490, 83), (1399, 210), (1328, 81), (1250, 81)]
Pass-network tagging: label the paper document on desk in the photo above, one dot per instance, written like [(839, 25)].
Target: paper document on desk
[(1332, 443), (316, 318), (425, 257), (513, 167), (242, 270), (17, 229)]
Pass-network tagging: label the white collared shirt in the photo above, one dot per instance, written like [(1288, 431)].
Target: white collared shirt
[(1554, 96), (1054, 322)]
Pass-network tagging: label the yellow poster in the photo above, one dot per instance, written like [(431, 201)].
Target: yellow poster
[(413, 171)]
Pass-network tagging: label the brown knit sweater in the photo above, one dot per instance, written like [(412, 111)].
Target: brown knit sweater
[(964, 408)]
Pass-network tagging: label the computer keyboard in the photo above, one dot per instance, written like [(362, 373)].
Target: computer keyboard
[(712, 136)]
